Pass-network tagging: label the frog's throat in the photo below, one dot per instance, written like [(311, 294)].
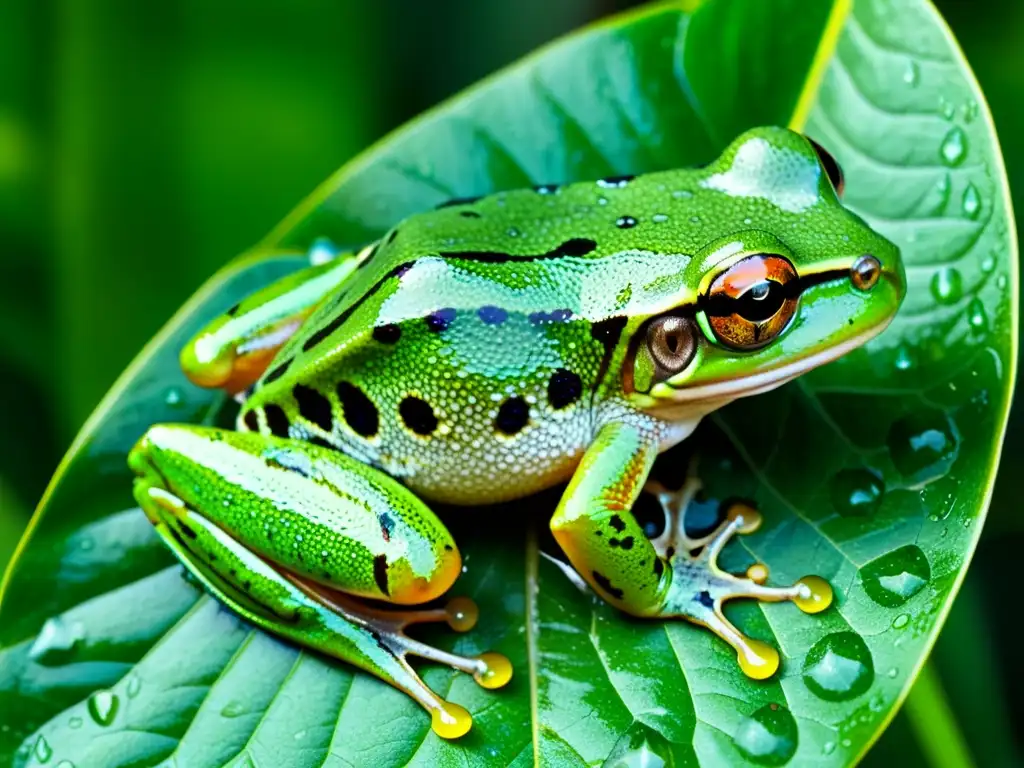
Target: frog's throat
[(769, 379)]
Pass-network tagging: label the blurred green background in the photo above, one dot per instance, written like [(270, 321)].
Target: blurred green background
[(142, 145)]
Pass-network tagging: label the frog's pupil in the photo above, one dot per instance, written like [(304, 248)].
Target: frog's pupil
[(761, 302)]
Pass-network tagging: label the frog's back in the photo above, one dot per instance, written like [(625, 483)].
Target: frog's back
[(465, 354)]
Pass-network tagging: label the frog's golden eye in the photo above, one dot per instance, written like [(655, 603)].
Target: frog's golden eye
[(751, 303), (835, 173), (671, 342)]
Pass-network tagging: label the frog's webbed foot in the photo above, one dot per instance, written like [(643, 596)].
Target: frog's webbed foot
[(387, 627), (699, 587)]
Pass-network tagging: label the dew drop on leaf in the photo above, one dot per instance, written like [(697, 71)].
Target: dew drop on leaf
[(75, 722), (134, 686), (42, 749), (947, 285), (839, 667), (233, 709), (923, 445), (971, 202), (897, 576), (856, 492), (953, 147), (640, 747), (904, 359), (901, 621), (56, 641), (976, 316), (767, 737), (103, 707), (912, 73)]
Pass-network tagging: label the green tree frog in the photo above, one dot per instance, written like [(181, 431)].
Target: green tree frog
[(492, 348)]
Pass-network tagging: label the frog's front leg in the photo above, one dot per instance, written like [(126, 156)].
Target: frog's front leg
[(284, 532), (234, 349), (596, 528)]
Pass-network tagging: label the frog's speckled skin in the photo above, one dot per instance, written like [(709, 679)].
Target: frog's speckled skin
[(495, 347)]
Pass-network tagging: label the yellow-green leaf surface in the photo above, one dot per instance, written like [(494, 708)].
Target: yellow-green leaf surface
[(874, 472)]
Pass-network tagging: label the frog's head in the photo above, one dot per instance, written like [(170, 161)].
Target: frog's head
[(789, 280)]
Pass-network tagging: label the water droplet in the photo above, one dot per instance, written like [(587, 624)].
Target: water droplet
[(659, 218), (65, 764), (513, 232), (946, 108), (828, 748), (602, 201), (300, 735), (856, 492), (947, 285), (971, 202), (173, 397), (42, 749), (892, 672), (894, 578), (970, 110), (839, 667), (768, 736), (56, 641), (912, 73), (682, 194), (953, 147), (695, 219), (904, 359), (1001, 282), (988, 264), (901, 621), (233, 709), (976, 316), (923, 445), (103, 707), (134, 686), (74, 722)]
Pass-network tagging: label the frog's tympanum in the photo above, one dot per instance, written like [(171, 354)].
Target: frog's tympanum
[(492, 348)]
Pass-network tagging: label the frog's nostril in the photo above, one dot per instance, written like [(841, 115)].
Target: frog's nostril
[(865, 272)]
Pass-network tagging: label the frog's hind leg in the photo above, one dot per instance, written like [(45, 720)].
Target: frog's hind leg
[(279, 531), (674, 575), (233, 350)]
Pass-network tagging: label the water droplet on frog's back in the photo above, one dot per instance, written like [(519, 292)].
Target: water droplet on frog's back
[(839, 667), (768, 736), (893, 578), (954, 147)]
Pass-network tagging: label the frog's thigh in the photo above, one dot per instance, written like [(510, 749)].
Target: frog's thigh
[(191, 478), (234, 349), (313, 511)]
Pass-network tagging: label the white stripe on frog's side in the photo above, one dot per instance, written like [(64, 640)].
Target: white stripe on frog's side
[(656, 281)]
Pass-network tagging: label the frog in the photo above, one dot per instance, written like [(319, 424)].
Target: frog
[(495, 347)]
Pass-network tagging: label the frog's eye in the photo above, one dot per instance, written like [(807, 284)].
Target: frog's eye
[(671, 342), (750, 303), (835, 173)]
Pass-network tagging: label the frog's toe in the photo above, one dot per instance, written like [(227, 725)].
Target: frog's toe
[(387, 627), (699, 588)]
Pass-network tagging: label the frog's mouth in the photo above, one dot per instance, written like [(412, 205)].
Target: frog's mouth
[(717, 393)]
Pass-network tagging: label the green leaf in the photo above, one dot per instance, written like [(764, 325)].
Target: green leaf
[(111, 658)]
